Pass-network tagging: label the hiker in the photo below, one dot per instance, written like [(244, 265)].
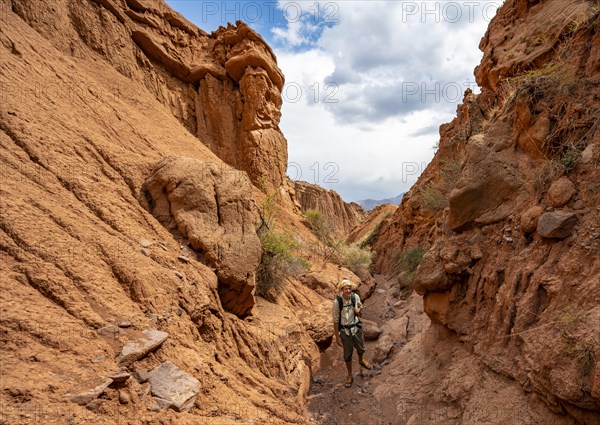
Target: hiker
[(347, 327)]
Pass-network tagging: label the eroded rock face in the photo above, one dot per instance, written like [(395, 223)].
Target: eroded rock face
[(343, 216), (212, 208), (207, 81), (79, 251), (496, 270), (242, 124)]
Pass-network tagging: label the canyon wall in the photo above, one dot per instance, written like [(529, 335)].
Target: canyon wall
[(223, 87), (507, 213), (342, 216), (133, 148)]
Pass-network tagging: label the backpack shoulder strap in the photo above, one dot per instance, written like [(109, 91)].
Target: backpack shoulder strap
[(340, 302)]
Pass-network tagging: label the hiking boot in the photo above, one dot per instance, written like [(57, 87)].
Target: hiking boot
[(364, 364), (349, 381)]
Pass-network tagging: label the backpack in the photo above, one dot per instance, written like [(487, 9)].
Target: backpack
[(340, 301)]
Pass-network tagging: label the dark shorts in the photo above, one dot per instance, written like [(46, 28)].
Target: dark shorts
[(350, 341)]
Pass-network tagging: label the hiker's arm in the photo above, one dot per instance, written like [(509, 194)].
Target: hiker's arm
[(358, 307), (335, 315), (336, 333)]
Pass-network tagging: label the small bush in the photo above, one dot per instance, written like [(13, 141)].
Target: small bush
[(278, 262), (408, 261), (354, 258), (433, 198), (319, 224), (405, 266), (569, 159), (412, 258), (333, 248), (450, 173), (584, 353)]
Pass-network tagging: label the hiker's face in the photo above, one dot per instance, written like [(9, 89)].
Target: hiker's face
[(346, 291)]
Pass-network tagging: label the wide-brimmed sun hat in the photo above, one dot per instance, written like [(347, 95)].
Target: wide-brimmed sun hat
[(346, 282)]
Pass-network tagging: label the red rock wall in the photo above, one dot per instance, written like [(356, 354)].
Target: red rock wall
[(341, 215), (512, 239), (225, 87), (93, 96)]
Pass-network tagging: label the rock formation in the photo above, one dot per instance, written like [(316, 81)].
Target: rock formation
[(341, 215), (224, 87), (508, 214), (367, 231), (126, 137), (211, 208)]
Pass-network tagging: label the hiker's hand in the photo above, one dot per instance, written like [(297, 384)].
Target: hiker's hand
[(357, 310), (338, 341)]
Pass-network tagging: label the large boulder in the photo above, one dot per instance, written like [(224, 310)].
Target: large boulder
[(371, 330), (211, 207), (430, 275), (486, 183), (319, 325)]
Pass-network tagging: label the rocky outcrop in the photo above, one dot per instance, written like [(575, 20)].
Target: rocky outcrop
[(150, 340), (240, 121), (366, 232), (506, 213), (87, 112), (212, 209), (225, 87), (342, 216)]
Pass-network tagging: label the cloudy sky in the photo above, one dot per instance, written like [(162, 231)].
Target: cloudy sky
[(368, 83)]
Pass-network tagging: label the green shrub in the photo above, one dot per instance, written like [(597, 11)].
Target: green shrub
[(569, 159), (433, 198), (412, 258), (408, 261), (278, 262), (333, 248), (319, 224), (354, 258)]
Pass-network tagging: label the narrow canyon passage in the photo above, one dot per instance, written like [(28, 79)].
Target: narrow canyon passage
[(330, 403)]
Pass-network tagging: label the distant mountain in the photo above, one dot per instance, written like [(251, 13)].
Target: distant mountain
[(369, 204)]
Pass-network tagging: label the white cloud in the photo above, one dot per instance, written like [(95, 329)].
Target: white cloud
[(398, 70), (292, 35)]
